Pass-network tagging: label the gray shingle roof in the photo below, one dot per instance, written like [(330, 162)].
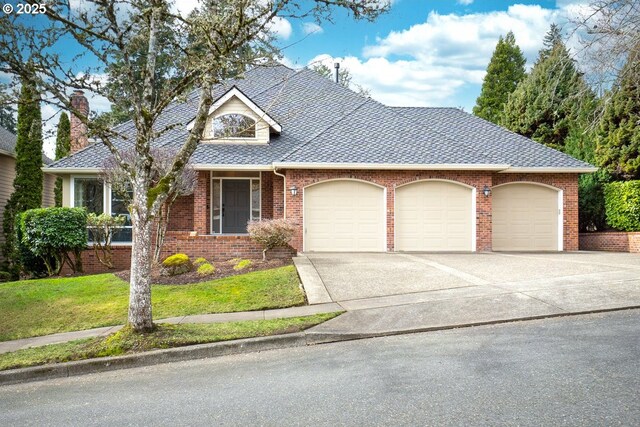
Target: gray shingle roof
[(323, 122), (8, 145)]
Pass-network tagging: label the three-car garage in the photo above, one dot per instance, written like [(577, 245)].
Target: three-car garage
[(432, 215)]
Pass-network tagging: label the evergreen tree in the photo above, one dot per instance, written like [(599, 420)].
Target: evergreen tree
[(63, 145), (618, 141), (550, 100), (550, 41), (27, 185), (505, 71)]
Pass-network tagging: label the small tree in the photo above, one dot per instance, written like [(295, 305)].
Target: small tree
[(52, 234), (102, 229), (505, 71), (271, 233), (63, 146)]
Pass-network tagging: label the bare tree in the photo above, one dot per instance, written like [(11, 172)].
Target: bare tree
[(608, 31), (218, 40)]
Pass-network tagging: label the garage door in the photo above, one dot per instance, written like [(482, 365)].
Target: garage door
[(434, 216), (525, 218), (344, 216)]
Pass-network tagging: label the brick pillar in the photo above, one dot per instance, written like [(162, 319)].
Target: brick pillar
[(79, 138), (278, 197), (200, 203), (484, 221)]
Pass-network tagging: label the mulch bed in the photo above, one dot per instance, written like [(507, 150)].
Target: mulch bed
[(223, 269)]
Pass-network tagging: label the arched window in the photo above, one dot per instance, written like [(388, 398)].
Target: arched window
[(233, 126)]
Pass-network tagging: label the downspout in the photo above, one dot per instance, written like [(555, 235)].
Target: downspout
[(284, 190)]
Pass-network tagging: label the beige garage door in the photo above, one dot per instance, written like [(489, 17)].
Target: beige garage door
[(434, 216), (344, 216), (525, 218)]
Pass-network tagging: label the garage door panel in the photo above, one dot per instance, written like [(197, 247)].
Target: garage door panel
[(525, 218), (433, 216), (344, 216)]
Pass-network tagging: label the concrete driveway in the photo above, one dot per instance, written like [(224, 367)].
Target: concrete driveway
[(360, 280)]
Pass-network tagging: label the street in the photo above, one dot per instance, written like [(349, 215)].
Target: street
[(579, 370)]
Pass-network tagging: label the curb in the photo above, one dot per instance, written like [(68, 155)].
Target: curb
[(224, 348)]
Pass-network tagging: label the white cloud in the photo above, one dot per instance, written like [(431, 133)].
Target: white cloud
[(311, 28), (281, 28), (464, 2), (443, 60)]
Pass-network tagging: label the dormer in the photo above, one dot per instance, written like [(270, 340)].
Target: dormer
[(236, 119)]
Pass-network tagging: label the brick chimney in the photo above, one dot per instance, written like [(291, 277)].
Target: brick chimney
[(79, 138)]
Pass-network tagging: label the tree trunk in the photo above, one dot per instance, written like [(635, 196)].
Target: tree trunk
[(140, 317)]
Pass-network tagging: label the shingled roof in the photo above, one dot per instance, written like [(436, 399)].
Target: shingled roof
[(8, 145), (327, 125)]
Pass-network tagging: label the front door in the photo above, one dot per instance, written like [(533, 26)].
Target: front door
[(236, 194)]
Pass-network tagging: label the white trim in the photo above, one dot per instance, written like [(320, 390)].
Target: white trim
[(234, 91), (560, 206), (549, 170), (473, 209), (231, 168), (54, 171), (384, 209), (390, 166), (12, 155)]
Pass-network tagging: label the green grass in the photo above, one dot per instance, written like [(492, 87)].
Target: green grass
[(40, 307), (165, 336)]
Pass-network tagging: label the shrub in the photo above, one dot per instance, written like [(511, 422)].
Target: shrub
[(103, 228), (51, 233), (622, 203), (271, 233), (242, 264), (5, 276), (177, 264), (591, 210), (206, 269), (199, 261)]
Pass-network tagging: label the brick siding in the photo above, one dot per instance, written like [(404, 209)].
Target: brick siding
[(610, 241)]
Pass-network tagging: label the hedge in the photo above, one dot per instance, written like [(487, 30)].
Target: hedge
[(622, 204)]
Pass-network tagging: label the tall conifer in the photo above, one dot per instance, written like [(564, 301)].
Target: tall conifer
[(63, 145)]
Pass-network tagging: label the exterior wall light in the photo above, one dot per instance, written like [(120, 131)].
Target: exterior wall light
[(294, 190), (486, 191)]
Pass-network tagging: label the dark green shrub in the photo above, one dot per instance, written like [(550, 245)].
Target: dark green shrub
[(592, 215), (622, 202), (52, 233)]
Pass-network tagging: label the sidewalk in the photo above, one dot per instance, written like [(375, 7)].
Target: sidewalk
[(307, 310)]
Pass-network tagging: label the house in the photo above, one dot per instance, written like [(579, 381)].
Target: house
[(8, 173), (353, 174)]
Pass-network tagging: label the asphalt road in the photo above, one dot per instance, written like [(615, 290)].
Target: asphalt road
[(581, 370)]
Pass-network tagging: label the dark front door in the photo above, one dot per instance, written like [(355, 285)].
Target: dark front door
[(236, 208)]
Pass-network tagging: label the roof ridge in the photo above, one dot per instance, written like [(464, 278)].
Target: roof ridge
[(317, 134)]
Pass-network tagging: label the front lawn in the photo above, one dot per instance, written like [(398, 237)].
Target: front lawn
[(165, 336), (47, 306)]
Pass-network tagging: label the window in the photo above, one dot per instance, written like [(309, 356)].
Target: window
[(88, 193), (233, 126), (119, 207)]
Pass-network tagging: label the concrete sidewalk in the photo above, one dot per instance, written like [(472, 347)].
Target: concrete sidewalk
[(307, 310)]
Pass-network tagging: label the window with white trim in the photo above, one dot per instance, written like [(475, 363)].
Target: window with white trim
[(233, 126)]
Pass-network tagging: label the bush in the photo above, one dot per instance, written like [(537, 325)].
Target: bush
[(592, 215), (5, 276), (199, 261), (242, 264), (51, 233), (206, 269), (622, 203), (177, 264), (103, 228), (271, 233)]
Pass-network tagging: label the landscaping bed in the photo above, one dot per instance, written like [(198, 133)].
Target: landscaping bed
[(165, 336), (222, 269)]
